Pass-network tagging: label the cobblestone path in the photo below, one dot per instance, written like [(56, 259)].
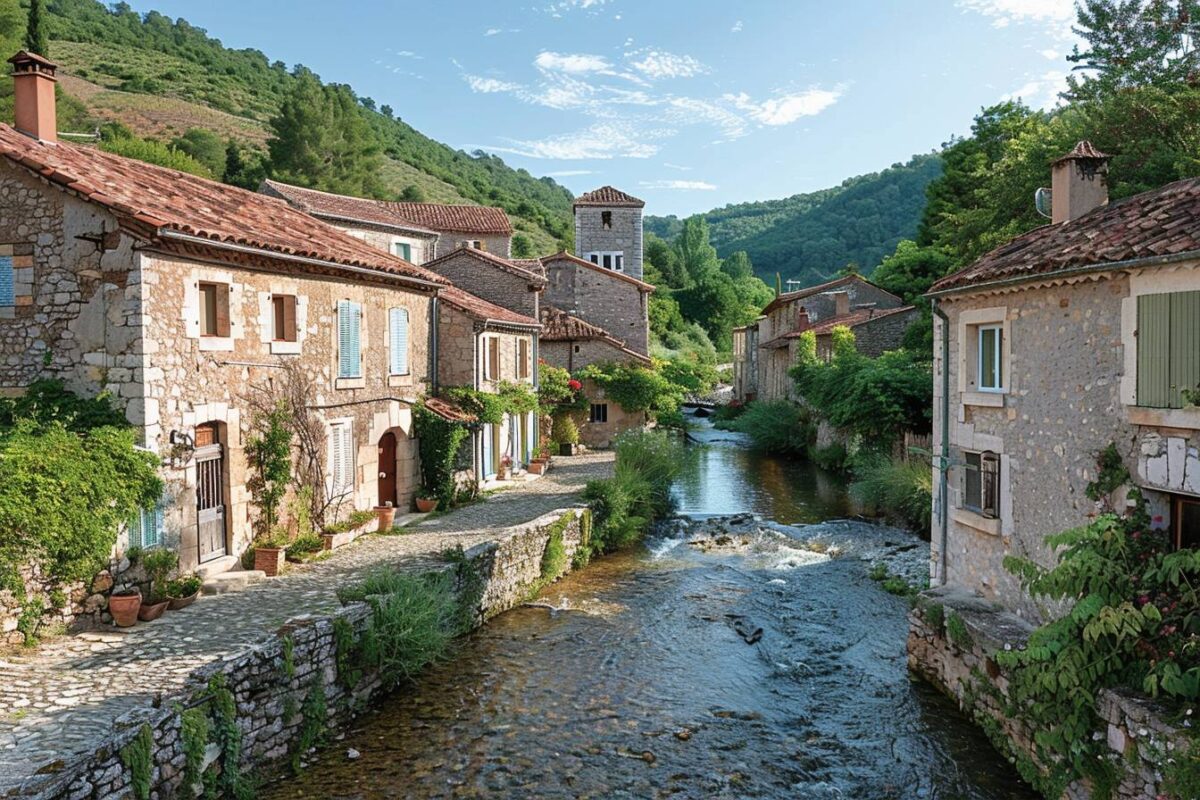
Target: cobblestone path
[(59, 699)]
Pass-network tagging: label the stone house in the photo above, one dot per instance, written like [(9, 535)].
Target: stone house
[(614, 301), (877, 317), (181, 296), (608, 230), (1075, 335), (417, 232)]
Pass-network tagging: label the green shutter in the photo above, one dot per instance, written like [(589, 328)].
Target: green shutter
[(1185, 345), (1154, 351)]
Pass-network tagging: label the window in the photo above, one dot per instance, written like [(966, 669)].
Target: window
[(1168, 348), (214, 309), (606, 220), (614, 260), (475, 244), (146, 527), (398, 341), (342, 463), (283, 317), (522, 359), (990, 365), (7, 282), (1185, 521), (349, 349), (599, 413), (981, 485), (404, 250), (491, 358)]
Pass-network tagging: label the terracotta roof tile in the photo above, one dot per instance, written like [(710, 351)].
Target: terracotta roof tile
[(608, 196), (800, 294), (167, 200), (559, 326), (341, 207), (565, 256), (482, 310), (1083, 149), (854, 319), (459, 219), (537, 278), (1161, 222), (447, 410)]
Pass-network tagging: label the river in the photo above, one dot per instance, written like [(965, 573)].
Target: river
[(657, 682)]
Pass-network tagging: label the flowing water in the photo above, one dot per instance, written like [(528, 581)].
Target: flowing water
[(657, 682)]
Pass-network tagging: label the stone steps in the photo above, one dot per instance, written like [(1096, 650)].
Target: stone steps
[(215, 567), (232, 581)]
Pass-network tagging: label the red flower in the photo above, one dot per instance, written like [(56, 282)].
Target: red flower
[(574, 385)]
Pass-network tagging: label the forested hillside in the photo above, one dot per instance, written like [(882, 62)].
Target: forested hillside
[(162, 78), (812, 236)]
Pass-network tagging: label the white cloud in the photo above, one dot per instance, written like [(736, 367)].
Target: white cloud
[(481, 85), (567, 173), (405, 53), (690, 110), (1041, 91), (1004, 12), (669, 165), (737, 27), (690, 186), (601, 141), (561, 7), (575, 63), (785, 109), (656, 64), (1051, 54), (493, 31)]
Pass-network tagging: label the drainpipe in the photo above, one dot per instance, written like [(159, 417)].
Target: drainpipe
[(434, 311), (943, 458)]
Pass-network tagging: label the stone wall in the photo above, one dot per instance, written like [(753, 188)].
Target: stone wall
[(602, 299), (274, 686), (961, 664), (486, 279), (602, 434), (575, 355), (874, 337), (496, 244), (623, 236), (422, 246)]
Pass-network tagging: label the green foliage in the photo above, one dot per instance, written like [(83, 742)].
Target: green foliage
[(355, 520), (956, 629), (305, 544), (206, 148), (184, 586), (1181, 774), (287, 649), (492, 407), (438, 442), (554, 556), (565, 431), (159, 563), (193, 733), (36, 40), (901, 489), (554, 391), (634, 387), (345, 643), (1113, 474), (29, 620), (228, 737), (153, 152), (831, 457), (911, 269), (137, 757), (693, 377), (777, 426), (639, 492), (313, 713), (522, 247), (47, 401), (935, 615)]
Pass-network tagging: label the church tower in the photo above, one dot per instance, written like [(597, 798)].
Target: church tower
[(608, 230)]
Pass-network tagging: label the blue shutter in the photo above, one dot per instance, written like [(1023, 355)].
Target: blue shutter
[(398, 328), (349, 321), (6, 281)]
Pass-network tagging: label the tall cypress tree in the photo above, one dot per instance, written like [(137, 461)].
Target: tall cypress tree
[(35, 31)]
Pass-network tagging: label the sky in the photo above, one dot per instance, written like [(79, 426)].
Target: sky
[(688, 104)]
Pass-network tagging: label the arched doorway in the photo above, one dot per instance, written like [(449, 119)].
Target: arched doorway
[(387, 469), (210, 491)]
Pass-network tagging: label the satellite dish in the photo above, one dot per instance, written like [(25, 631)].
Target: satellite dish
[(1042, 202)]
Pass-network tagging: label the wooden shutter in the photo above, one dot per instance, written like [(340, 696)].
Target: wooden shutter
[(494, 358), (223, 292), (398, 334), (349, 315), (1154, 350), (1185, 345), (290, 331)]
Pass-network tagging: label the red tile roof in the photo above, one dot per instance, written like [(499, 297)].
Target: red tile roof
[(509, 266), (482, 310), (559, 326), (447, 410), (1083, 149), (1162, 223), (565, 256), (428, 217), (787, 297), (608, 196), (854, 319), (155, 202)]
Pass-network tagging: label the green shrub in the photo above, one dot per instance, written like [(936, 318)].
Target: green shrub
[(154, 152), (831, 457), (438, 443), (159, 563), (565, 431), (412, 623), (304, 544), (639, 492), (728, 412), (902, 490), (777, 427)]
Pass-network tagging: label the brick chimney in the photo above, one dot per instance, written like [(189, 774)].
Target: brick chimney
[(1078, 183), (802, 323), (33, 96)]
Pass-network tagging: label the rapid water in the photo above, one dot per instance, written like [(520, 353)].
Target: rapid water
[(656, 682)]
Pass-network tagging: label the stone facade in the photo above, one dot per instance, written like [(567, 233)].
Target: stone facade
[(422, 247), (606, 419), (494, 243), (573, 356), (745, 363), (272, 683), (623, 235), (873, 337), (1139, 738), (508, 286), (619, 306)]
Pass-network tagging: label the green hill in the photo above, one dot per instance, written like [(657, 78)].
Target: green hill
[(811, 236), (161, 77)]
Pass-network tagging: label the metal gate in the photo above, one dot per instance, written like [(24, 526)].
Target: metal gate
[(210, 501)]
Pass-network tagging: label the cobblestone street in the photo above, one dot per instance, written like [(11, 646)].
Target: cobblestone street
[(63, 696)]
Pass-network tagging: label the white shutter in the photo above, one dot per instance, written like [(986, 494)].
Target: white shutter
[(398, 330)]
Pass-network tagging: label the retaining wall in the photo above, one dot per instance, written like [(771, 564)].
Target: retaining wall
[(282, 690)]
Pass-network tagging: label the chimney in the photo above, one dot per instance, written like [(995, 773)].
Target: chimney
[(1078, 183), (841, 304), (802, 323), (33, 96)]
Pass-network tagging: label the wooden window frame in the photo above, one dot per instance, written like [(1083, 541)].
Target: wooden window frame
[(988, 471), (283, 326), (601, 417), (220, 312), (523, 371), (1178, 501), (491, 366)]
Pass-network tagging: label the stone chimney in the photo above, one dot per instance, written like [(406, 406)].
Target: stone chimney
[(802, 322), (33, 96), (841, 304), (1078, 183)]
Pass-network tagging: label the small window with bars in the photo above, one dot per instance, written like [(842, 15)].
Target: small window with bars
[(981, 484), (599, 413)]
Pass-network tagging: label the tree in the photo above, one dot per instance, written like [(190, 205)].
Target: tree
[(697, 257), (323, 141), (911, 270), (660, 256), (737, 266), (522, 247), (242, 170), (1133, 43), (205, 147), (413, 194), (36, 40)]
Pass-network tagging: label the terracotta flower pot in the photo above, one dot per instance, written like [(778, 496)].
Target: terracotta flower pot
[(269, 560), (537, 467), (152, 611), (124, 608), (183, 602), (386, 516), (426, 504)]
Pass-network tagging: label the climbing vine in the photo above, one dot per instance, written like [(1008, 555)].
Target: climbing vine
[(193, 733), (287, 647), (491, 407), (228, 737), (439, 442), (137, 757), (554, 556), (347, 653), (312, 727)]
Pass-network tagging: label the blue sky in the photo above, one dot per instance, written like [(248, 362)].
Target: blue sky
[(689, 104)]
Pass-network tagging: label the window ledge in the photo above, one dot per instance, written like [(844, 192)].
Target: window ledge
[(218, 344), (400, 380), (988, 399), (988, 525), (280, 348), (350, 383), (1186, 418)]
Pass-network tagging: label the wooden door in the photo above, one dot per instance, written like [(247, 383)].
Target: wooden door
[(210, 493), (387, 469)]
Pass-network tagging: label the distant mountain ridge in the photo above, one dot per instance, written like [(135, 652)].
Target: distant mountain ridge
[(811, 236)]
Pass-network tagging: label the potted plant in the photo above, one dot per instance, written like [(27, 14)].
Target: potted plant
[(426, 503), (386, 514), (566, 434), (159, 563), (124, 606), (270, 552), (183, 591)]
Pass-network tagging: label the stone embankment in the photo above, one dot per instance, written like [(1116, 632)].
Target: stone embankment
[(953, 638)]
